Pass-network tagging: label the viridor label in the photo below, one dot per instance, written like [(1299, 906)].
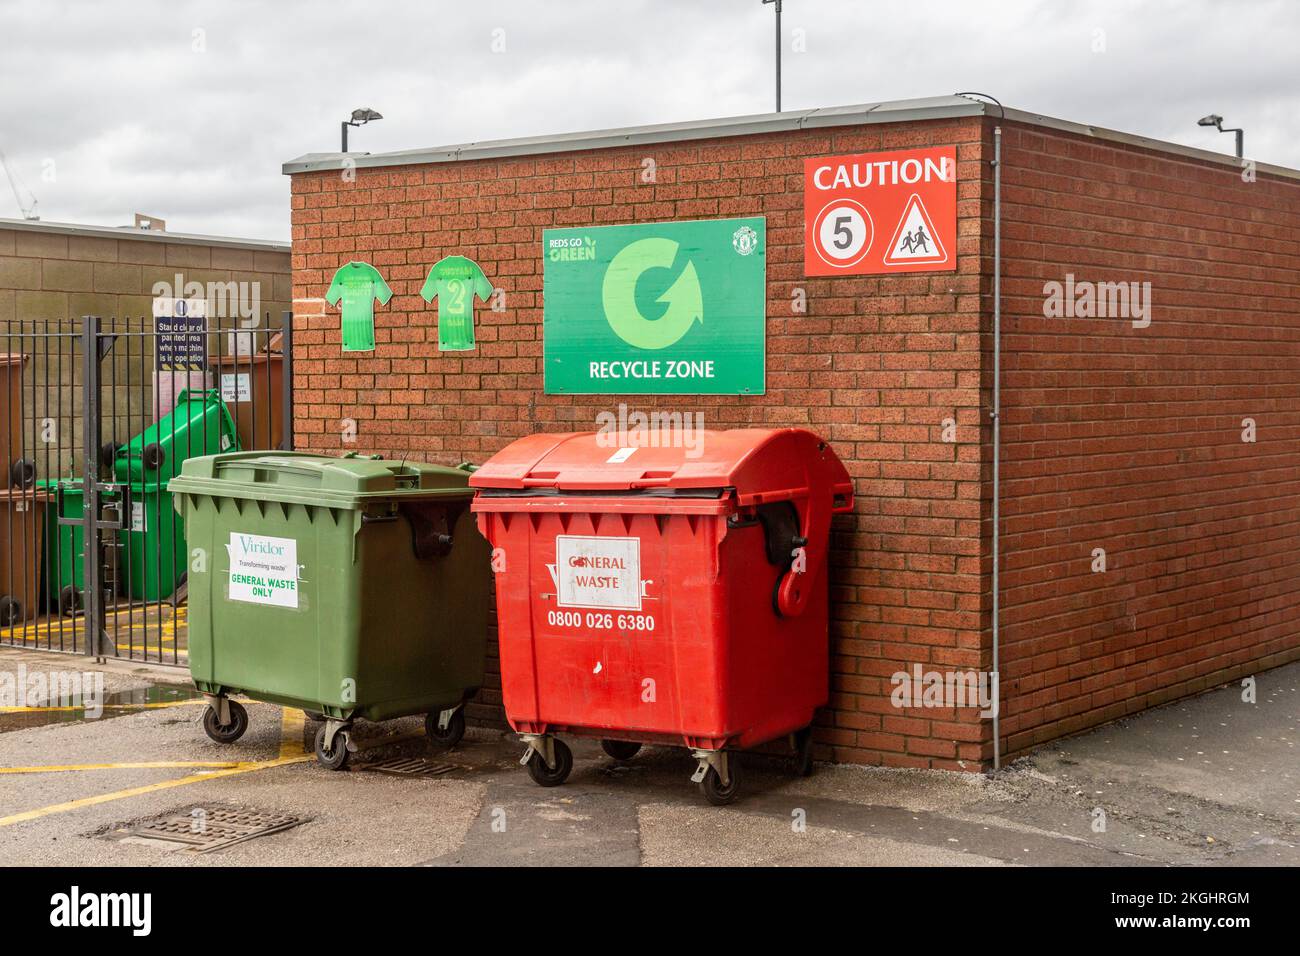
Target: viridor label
[(263, 570)]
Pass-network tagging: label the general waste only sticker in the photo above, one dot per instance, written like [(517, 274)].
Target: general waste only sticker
[(598, 572), (878, 213), (263, 570)]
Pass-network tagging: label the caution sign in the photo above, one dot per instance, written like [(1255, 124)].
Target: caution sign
[(915, 239), (877, 213)]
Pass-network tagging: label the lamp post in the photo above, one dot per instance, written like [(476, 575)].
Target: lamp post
[(1215, 120), (778, 50), (359, 118)]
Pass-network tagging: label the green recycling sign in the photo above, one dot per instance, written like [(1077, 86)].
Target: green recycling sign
[(655, 308)]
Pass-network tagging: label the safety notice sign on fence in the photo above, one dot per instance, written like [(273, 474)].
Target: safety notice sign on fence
[(877, 213)]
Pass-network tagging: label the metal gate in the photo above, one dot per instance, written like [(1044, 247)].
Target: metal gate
[(95, 417)]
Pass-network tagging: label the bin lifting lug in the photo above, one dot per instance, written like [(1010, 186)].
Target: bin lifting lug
[(794, 591), (717, 759), (541, 744)]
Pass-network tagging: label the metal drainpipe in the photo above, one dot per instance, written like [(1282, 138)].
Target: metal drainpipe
[(997, 425)]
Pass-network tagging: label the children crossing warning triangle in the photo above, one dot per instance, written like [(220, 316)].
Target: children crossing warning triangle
[(915, 239)]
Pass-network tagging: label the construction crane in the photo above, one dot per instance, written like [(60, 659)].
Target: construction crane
[(28, 209)]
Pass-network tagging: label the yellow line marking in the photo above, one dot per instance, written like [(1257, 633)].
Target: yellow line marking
[(153, 706), (141, 765), (150, 788), (291, 724)]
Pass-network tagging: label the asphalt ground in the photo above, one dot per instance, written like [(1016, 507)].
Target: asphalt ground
[(1210, 781)]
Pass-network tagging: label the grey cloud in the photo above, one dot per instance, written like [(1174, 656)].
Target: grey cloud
[(135, 120)]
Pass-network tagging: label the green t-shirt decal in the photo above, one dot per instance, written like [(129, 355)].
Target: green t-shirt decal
[(456, 280), (358, 284)]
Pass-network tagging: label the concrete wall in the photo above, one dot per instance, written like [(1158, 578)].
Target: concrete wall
[(50, 277)]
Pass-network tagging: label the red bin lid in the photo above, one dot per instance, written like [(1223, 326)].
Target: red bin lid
[(761, 464)]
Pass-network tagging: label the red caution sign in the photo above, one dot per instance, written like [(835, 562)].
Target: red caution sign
[(877, 213)]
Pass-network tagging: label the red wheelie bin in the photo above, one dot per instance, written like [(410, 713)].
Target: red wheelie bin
[(662, 594)]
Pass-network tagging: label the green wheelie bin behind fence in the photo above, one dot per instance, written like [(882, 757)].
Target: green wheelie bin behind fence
[(200, 424), (352, 586), (153, 543), (64, 571)]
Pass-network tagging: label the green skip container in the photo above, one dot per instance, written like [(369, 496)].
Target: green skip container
[(347, 587)]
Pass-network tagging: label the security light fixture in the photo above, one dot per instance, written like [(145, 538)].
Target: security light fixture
[(1215, 120), (359, 118)]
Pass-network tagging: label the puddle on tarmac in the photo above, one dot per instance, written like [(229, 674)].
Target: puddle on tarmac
[(118, 704)]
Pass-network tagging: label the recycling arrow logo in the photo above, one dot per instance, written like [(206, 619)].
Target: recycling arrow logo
[(618, 295)]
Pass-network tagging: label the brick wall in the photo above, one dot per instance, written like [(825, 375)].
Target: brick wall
[(1130, 439), (875, 366)]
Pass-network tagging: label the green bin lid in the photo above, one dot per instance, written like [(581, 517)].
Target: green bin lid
[(305, 478)]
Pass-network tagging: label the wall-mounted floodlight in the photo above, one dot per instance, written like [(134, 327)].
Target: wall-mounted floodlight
[(359, 118), (1215, 120)]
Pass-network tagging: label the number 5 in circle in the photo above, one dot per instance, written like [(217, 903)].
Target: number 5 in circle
[(843, 232)]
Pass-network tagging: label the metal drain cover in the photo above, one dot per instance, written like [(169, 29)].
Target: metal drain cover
[(409, 767), (202, 829)]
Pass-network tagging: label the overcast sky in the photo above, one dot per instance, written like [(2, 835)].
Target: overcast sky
[(186, 110)]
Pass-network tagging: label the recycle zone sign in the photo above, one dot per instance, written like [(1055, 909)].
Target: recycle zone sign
[(667, 308)]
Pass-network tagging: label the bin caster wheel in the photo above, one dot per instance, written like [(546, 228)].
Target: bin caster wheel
[(71, 601), (232, 731), (803, 752), (336, 757), (449, 736), (620, 749), (712, 788), (313, 715), (11, 611), (545, 776)]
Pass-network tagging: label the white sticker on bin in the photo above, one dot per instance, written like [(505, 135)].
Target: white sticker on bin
[(620, 456), (263, 570), (598, 572)]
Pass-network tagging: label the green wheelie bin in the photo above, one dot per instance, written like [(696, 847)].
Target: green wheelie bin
[(347, 587), (64, 570), (200, 424), (153, 543)]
